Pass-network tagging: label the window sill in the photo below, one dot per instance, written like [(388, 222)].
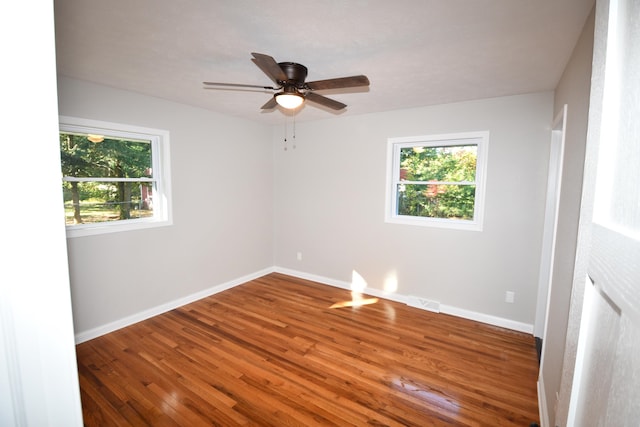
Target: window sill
[(436, 223), (83, 230)]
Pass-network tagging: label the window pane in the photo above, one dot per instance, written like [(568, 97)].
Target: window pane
[(92, 202), (115, 177), (437, 180), (445, 163), (88, 155), (436, 200)]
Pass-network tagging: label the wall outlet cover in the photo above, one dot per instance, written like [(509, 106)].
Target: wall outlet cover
[(509, 296)]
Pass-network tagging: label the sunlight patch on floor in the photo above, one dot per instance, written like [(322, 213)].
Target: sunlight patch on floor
[(356, 302), (358, 285)]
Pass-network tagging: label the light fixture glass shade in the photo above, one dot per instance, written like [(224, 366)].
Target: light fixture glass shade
[(288, 100), (95, 138)]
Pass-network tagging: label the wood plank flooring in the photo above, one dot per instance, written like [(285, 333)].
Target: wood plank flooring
[(272, 352)]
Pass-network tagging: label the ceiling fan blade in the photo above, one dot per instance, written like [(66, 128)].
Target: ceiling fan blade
[(339, 83), (239, 85), (270, 105), (270, 67), (323, 100)]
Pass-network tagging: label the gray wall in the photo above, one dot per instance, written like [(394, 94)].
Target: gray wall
[(222, 179), (330, 198), (573, 90), (243, 204)]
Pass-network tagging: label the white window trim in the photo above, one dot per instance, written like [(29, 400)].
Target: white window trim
[(481, 139), (161, 168)]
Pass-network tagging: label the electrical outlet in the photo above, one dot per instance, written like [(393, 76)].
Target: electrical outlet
[(509, 296), (299, 256)]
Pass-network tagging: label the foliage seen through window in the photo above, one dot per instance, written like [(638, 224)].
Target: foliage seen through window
[(105, 178), (437, 182)]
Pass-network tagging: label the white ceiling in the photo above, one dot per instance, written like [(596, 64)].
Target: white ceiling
[(415, 52)]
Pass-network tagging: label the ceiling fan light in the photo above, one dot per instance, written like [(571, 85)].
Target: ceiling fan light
[(95, 138), (289, 100)]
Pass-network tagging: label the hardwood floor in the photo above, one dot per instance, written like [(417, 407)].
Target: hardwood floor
[(272, 352)]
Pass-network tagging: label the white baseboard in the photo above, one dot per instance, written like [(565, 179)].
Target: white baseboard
[(542, 404), (404, 299), (487, 318), (163, 308), (340, 284)]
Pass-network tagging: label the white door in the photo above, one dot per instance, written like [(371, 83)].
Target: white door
[(606, 382), (38, 370)]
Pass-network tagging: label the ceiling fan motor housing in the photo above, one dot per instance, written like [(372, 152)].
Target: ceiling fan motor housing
[(296, 73), (289, 78)]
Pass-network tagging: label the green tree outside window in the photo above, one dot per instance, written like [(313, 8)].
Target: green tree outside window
[(437, 182), (105, 178)]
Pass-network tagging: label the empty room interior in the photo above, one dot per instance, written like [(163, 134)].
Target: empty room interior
[(405, 246)]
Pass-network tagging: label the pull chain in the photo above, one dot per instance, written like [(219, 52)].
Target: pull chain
[(285, 133), (285, 142), (294, 129)]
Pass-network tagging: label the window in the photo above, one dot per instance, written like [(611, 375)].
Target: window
[(114, 177), (437, 180)]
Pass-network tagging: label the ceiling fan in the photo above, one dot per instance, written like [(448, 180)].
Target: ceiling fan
[(289, 78)]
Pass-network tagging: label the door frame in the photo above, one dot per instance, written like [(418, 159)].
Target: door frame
[(552, 207)]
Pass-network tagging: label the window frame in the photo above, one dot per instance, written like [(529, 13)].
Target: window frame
[(160, 140), (394, 145)]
